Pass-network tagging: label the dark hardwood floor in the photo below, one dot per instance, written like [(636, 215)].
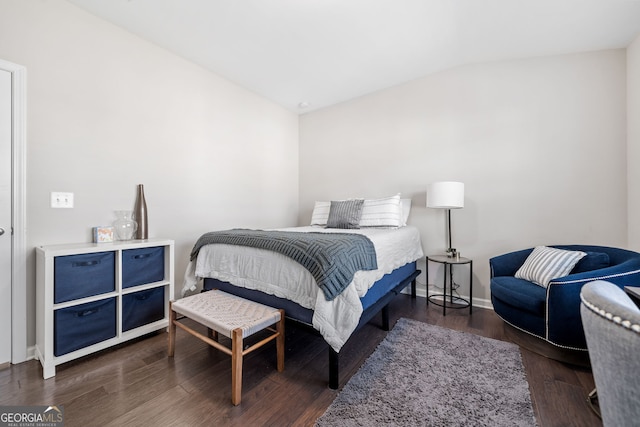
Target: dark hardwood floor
[(136, 384)]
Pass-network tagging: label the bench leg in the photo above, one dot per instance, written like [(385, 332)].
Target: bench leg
[(236, 366), (280, 342), (212, 334), (172, 330)]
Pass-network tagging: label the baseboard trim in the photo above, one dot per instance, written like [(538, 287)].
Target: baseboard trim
[(31, 353), (477, 302)]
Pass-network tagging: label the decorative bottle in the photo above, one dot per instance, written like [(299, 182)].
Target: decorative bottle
[(140, 214)]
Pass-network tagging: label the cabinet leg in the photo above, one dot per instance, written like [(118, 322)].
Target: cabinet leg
[(48, 371)]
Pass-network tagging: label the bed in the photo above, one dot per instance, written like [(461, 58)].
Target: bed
[(278, 280)]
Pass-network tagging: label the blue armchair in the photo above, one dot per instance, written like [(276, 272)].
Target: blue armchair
[(552, 314)]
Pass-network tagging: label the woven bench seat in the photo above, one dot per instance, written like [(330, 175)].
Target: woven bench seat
[(233, 317)]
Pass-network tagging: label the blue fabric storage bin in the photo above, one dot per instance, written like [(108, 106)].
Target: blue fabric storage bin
[(140, 266), (83, 325), (142, 307), (79, 276)]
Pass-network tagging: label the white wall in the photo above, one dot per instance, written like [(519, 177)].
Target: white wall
[(633, 141), (539, 143), (108, 111)]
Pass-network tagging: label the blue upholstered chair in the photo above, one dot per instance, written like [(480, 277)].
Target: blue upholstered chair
[(552, 314), (612, 327)]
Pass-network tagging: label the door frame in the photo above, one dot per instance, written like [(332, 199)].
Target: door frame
[(19, 211)]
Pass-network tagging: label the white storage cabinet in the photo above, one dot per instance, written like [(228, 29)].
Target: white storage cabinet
[(91, 296)]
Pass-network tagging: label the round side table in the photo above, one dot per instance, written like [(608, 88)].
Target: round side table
[(449, 300)]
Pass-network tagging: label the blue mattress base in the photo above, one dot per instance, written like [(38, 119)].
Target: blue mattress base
[(388, 283), (375, 300)]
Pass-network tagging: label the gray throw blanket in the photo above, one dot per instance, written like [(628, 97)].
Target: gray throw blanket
[(331, 258)]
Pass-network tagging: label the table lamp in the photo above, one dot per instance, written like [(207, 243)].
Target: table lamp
[(446, 195)]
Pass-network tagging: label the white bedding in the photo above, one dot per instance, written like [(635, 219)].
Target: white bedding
[(279, 275)]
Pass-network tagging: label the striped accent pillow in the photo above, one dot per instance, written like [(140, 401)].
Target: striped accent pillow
[(545, 264), (385, 212), (345, 213), (320, 213)]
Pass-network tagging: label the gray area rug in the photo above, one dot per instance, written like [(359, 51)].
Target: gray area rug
[(425, 375)]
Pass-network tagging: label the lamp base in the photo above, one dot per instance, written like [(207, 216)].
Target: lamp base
[(453, 253)]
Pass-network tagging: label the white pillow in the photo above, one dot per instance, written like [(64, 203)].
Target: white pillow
[(380, 212), (545, 264), (383, 212), (405, 208), (320, 213)]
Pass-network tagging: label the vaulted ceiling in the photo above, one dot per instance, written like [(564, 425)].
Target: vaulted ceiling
[(309, 54)]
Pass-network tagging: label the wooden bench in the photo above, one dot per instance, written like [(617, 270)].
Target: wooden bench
[(235, 318)]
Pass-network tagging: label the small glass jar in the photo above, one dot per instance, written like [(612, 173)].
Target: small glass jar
[(125, 227)]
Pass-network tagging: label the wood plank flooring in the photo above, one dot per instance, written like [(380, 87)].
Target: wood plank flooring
[(136, 384)]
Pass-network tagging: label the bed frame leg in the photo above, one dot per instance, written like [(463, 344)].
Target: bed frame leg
[(385, 317), (334, 376), (413, 288)]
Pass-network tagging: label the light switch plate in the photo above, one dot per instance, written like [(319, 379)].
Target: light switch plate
[(61, 200)]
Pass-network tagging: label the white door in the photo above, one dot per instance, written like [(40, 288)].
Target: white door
[(5, 216)]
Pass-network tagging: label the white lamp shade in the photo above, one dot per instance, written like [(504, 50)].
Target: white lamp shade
[(445, 195)]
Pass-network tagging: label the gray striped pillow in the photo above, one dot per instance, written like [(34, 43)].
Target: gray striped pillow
[(345, 213), (545, 264)]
